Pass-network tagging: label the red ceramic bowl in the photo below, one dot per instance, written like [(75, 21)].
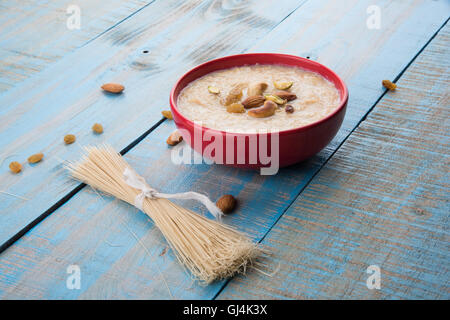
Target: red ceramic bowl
[(292, 146)]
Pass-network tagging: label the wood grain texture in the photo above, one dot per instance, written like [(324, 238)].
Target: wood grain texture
[(146, 53), (381, 200), (34, 34), (118, 249), (66, 97)]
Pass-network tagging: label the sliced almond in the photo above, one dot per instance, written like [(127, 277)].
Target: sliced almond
[(253, 102), (175, 138), (267, 110)]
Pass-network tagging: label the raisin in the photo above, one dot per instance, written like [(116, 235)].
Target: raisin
[(15, 167), (69, 138), (389, 85)]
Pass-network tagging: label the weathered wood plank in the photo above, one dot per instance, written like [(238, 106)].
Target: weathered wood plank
[(100, 236), (71, 101), (381, 200), (34, 34), (147, 53)]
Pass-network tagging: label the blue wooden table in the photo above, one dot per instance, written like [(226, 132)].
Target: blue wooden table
[(374, 202)]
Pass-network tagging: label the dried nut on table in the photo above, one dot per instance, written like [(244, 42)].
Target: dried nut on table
[(234, 95), (35, 158), (235, 108), (226, 203), (256, 89), (167, 114), (113, 87), (289, 108), (97, 128), (15, 167), (286, 95), (389, 85), (69, 139), (213, 89), (275, 99), (267, 110), (282, 85), (175, 138), (253, 102)]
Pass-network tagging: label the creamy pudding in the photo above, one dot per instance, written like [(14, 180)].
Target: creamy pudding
[(258, 98)]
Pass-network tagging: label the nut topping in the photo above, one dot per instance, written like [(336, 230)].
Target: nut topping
[(235, 108), (256, 89), (267, 110), (275, 99), (286, 95), (253, 102), (234, 95), (283, 85), (213, 89)]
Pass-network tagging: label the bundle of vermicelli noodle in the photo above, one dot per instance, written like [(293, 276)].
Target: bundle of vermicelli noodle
[(208, 248)]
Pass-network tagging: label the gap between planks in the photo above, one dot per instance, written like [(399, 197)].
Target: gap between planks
[(9, 85), (116, 24), (380, 94), (340, 144), (79, 187), (69, 195)]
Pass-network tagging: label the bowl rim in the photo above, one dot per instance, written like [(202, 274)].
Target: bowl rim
[(342, 105)]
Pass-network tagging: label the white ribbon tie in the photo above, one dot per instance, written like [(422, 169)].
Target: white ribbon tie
[(136, 181)]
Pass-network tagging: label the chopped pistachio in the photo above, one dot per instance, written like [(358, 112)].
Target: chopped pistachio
[(275, 99), (213, 89), (283, 85)]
